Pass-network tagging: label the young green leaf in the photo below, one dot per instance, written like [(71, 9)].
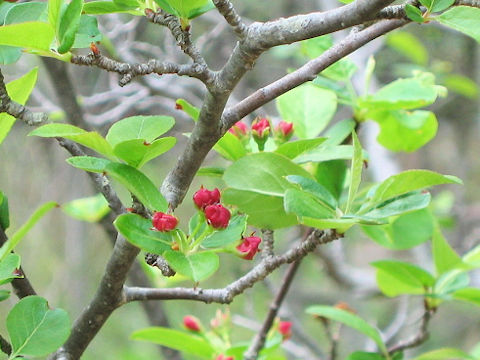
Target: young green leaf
[(230, 147), (138, 184), (314, 188), (89, 163), (146, 128), (105, 7), (68, 26), (408, 45), (35, 329), (292, 149), (445, 354), (444, 256), (174, 339), (351, 320), (138, 231), (355, 172), (471, 295), (8, 267), (211, 171), (19, 90), (54, 9), (440, 5), (362, 355), (402, 204), (10, 244), (197, 266), (137, 152), (32, 11), (4, 294), (91, 209), (87, 32), (414, 13), (339, 132), (327, 153), (231, 234), (189, 109), (4, 212), (92, 139), (33, 35), (462, 18), (303, 203), (309, 108)]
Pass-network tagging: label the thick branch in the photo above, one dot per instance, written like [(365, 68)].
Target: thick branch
[(259, 341), (472, 3), (129, 71), (227, 294), (308, 71)]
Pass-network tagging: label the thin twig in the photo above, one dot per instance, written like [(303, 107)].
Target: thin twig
[(227, 294), (258, 341), (225, 7)]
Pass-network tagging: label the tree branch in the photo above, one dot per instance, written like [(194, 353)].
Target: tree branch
[(17, 110), (259, 340), (129, 71), (308, 71), (225, 7), (5, 346), (227, 294)]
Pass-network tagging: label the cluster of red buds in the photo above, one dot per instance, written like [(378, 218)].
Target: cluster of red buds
[(261, 129), (217, 215), (285, 328), (164, 222), (249, 247)]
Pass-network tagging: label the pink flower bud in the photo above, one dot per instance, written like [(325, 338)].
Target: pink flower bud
[(261, 127), (224, 357), (164, 222), (285, 328), (203, 197), (283, 132), (192, 323), (249, 247), (217, 216), (240, 129)]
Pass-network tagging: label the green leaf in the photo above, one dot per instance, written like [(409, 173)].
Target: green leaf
[(332, 174), (10, 244), (362, 355), (405, 232), (92, 139), (408, 93), (472, 258), (327, 153), (185, 9), (449, 282), (414, 200), (410, 180), (309, 108), (178, 340), (31, 35), (462, 18), (340, 224), (137, 152), (8, 267), (408, 45), (211, 171), (230, 147), (197, 266), (440, 5), (314, 188), (87, 32), (4, 295), (414, 13), (302, 204), (444, 256), (189, 109), (138, 231), (9, 54), (263, 173), (103, 7), (4, 212), (350, 320), (397, 277), (292, 149), (35, 329), (339, 132), (89, 163), (54, 10), (138, 184), (444, 354), (68, 26), (471, 295), (19, 90), (405, 130), (231, 234), (23, 12), (264, 211), (355, 172), (127, 4), (91, 209), (146, 128)]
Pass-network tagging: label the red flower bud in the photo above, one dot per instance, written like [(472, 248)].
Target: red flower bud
[(164, 222), (240, 129), (285, 328), (192, 323), (224, 357), (203, 197), (217, 215), (249, 247), (261, 127)]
